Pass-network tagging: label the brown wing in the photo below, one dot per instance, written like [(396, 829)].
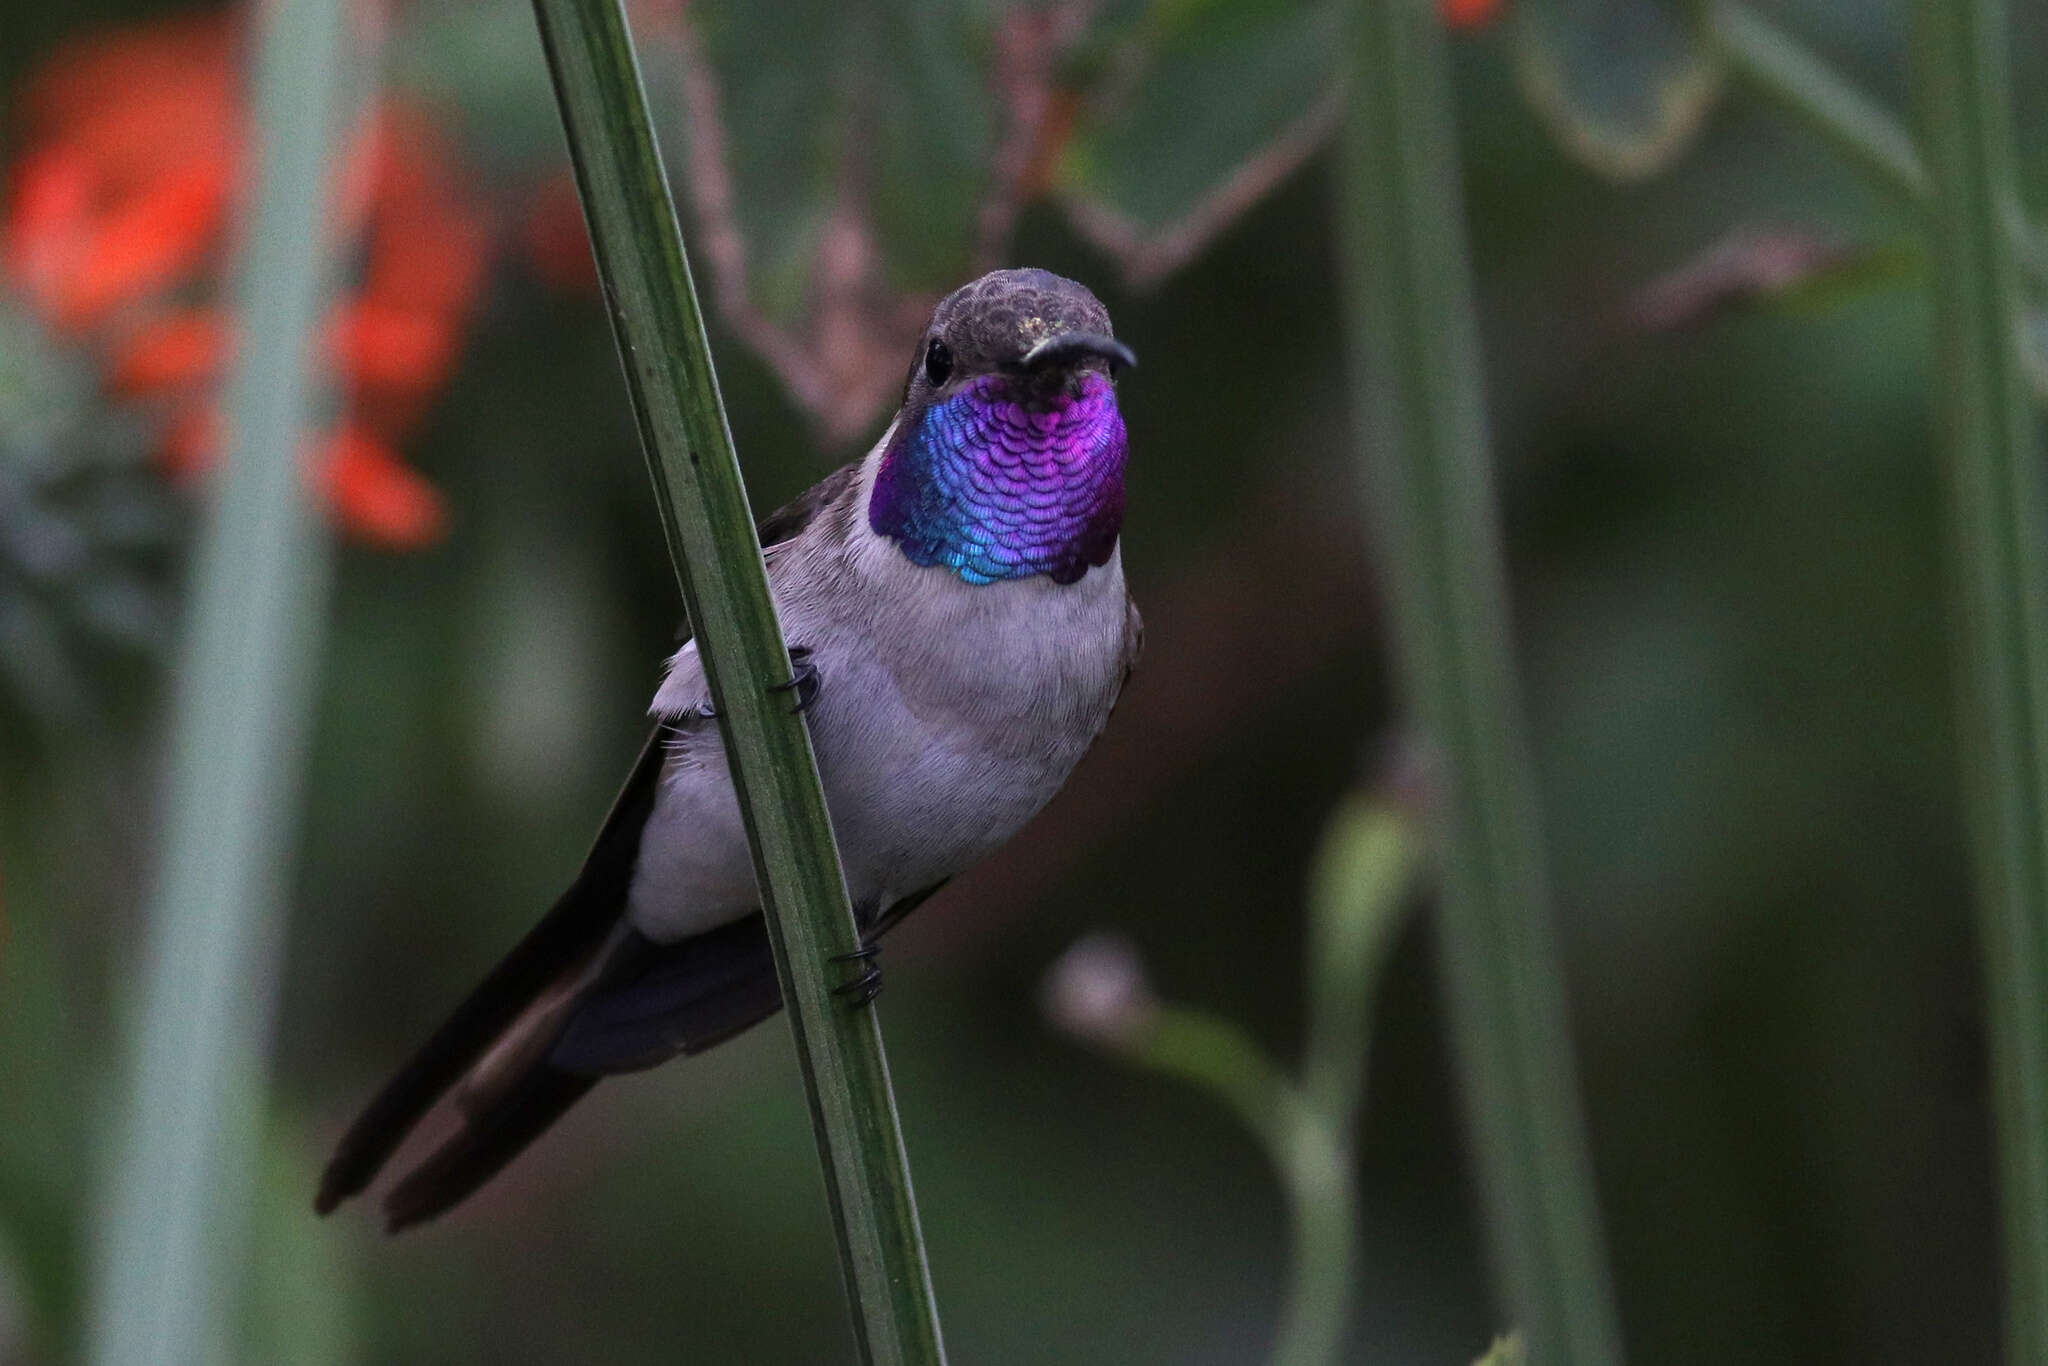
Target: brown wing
[(799, 512)]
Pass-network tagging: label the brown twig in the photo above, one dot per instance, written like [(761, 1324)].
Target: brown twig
[(1149, 256)]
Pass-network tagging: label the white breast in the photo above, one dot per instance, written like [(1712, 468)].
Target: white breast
[(947, 714)]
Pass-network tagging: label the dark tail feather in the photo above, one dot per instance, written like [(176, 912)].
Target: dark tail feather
[(564, 939), (643, 1004), (638, 1006), (654, 1001), (488, 1140)]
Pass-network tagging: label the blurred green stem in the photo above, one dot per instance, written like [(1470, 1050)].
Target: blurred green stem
[(1418, 386), (1997, 499), (1784, 71), (1787, 73), (1310, 1150), (1307, 1131), (710, 529), (179, 1188)]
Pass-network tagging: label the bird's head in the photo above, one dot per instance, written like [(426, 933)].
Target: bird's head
[(1039, 333), (1007, 459)]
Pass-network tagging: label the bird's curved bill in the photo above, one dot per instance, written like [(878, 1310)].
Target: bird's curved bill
[(1069, 347)]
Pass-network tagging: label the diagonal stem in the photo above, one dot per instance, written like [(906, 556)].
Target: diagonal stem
[(1788, 74), (710, 529)]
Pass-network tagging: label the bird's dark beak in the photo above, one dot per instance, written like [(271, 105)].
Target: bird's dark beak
[(1069, 347)]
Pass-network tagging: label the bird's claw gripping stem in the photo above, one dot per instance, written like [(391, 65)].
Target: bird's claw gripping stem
[(803, 679), (864, 988)]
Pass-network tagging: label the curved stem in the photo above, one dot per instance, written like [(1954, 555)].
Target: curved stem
[(1311, 1153), (1781, 69), (1788, 74)]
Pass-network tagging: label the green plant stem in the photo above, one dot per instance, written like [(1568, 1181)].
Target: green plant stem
[(1354, 906), (1780, 68), (1418, 384), (1795, 79), (1996, 498), (1310, 1150), (660, 332), (1309, 1131), (180, 1186)]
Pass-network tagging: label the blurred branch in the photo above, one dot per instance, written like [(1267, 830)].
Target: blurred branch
[(1783, 70), (1308, 1130), (1996, 495), (1149, 256), (710, 530), (1420, 397), (842, 365), (179, 1190)]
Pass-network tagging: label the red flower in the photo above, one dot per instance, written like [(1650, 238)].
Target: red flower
[(1469, 14), (114, 230), (152, 241), (376, 493), (177, 351)]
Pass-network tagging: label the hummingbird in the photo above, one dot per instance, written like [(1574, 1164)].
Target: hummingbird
[(959, 631)]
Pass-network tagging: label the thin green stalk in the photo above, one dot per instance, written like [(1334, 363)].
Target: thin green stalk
[(1423, 434), (1997, 501), (1784, 71), (1367, 858), (660, 331), (1794, 78), (179, 1190), (1308, 1131), (1311, 1151)]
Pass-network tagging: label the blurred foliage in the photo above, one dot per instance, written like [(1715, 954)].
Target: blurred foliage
[(1624, 84), (1506, 1351), (85, 532), (1725, 553), (1306, 1126)]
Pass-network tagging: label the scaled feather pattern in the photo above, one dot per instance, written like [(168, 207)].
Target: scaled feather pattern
[(994, 489)]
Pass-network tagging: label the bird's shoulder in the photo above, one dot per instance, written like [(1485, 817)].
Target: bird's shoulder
[(828, 498), (805, 541)]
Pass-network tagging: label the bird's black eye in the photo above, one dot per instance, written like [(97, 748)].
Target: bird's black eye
[(938, 362)]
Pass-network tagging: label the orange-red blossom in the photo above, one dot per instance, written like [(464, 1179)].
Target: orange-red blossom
[(115, 232)]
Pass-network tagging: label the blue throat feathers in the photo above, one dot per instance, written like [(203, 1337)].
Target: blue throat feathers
[(992, 490)]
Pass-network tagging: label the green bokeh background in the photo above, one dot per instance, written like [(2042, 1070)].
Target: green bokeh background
[(1725, 546)]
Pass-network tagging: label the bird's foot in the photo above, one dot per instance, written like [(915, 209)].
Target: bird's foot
[(866, 987), (803, 679)]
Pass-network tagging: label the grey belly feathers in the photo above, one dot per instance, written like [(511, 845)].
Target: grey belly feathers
[(946, 716)]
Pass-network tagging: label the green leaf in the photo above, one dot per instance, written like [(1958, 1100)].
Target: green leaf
[(878, 111), (1623, 84), (170, 1210), (1420, 397), (1991, 444), (1196, 110)]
